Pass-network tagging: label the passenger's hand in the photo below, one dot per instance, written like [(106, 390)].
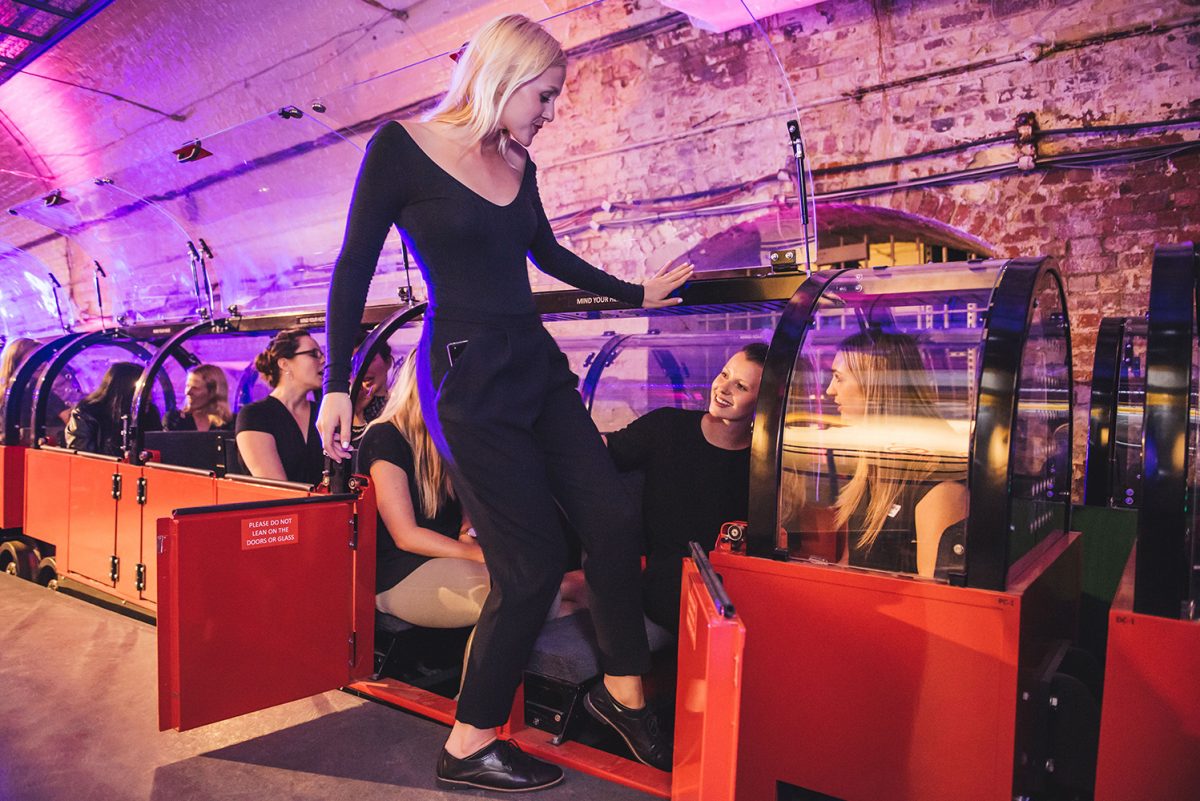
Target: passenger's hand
[(333, 424), (664, 282)]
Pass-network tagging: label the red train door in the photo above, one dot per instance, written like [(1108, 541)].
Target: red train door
[(709, 687), (262, 603)]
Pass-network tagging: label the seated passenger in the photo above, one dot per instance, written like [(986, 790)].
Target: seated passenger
[(697, 469), (277, 436), (97, 423), (15, 351), (428, 570), (373, 394), (895, 509), (207, 406)]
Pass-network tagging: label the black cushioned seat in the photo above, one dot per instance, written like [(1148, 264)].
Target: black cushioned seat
[(566, 649), (390, 625)]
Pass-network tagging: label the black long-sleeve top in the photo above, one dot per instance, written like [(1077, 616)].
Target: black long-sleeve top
[(471, 251)]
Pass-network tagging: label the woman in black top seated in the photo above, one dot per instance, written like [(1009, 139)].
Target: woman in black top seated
[(428, 568), (895, 506), (697, 469), (207, 407), (277, 436), (97, 423)]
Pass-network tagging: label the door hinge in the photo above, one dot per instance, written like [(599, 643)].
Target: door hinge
[(141, 490), (116, 486), (354, 532), (353, 647), (114, 568), (140, 582)]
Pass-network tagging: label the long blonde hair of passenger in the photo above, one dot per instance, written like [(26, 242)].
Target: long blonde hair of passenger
[(506, 53), (15, 352), (897, 388), (403, 410), (218, 410)]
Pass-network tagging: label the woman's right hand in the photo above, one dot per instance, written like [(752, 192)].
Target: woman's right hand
[(333, 424), (656, 290)]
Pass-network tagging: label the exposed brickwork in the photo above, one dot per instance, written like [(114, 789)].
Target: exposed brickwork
[(1088, 65)]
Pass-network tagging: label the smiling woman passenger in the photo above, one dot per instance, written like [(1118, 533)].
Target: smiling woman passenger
[(697, 468)]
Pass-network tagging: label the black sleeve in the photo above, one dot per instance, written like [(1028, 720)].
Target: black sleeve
[(374, 208), (256, 417), (632, 446), (555, 260), (383, 442), (83, 431)]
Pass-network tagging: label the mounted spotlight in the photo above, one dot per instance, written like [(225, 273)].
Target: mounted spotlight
[(55, 198), (191, 152)]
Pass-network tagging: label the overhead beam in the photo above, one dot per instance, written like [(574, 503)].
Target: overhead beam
[(49, 9)]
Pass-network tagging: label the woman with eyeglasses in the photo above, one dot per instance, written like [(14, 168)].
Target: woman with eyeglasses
[(277, 436)]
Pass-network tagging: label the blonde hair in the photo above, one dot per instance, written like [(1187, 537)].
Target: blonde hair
[(218, 410), (403, 410), (506, 53), (15, 352), (895, 385)]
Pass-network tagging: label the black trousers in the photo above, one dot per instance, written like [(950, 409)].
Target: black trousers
[(520, 445)]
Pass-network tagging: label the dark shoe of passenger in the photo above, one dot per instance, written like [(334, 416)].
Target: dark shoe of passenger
[(499, 766), (637, 727)]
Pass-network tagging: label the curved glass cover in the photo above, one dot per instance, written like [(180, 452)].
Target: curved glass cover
[(1041, 443), (879, 414), (33, 306), (141, 249), (266, 203), (83, 373)]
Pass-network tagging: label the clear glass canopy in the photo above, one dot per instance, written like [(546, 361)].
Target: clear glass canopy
[(894, 426)]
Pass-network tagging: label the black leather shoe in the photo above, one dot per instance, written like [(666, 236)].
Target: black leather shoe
[(637, 727), (499, 766)]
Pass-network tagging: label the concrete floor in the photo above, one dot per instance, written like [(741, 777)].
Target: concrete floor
[(80, 721)]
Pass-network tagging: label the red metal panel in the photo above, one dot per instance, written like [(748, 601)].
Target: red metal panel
[(47, 479), (256, 608), (128, 533), (708, 696), (92, 527), (1150, 719), (166, 490), (12, 485), (229, 491), (865, 687)]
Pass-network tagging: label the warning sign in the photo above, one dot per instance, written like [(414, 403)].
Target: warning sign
[(264, 532)]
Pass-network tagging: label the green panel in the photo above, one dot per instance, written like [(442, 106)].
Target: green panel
[(1108, 536)]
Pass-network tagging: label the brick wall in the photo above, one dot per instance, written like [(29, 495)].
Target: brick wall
[(690, 110)]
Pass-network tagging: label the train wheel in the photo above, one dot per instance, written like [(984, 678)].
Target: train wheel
[(47, 573), (18, 559)]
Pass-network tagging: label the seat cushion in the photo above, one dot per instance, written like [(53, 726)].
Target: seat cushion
[(567, 650)]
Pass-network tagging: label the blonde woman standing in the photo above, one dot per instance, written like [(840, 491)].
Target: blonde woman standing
[(498, 396)]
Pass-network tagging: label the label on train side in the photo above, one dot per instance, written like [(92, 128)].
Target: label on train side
[(266, 532)]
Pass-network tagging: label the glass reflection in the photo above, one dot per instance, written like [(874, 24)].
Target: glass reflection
[(878, 420)]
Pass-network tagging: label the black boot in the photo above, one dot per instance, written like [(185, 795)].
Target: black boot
[(637, 727), (499, 766)]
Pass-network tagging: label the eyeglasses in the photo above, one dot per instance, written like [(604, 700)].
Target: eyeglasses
[(316, 353)]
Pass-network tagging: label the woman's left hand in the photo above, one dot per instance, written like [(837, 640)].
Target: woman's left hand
[(664, 282)]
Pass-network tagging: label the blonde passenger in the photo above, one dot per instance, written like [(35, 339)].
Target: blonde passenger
[(895, 505), (207, 404), (429, 570)]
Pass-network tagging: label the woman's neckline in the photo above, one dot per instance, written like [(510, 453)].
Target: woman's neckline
[(704, 435), (457, 180)]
